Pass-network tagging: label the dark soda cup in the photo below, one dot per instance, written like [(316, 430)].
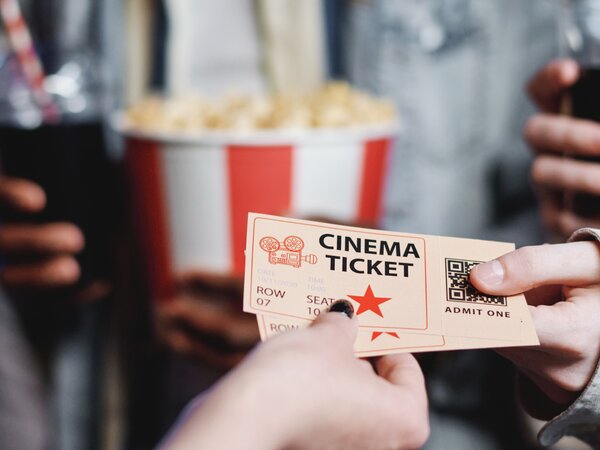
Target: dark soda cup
[(584, 103), (585, 95), (579, 40), (69, 161)]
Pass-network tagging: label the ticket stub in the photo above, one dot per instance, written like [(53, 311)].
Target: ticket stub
[(400, 284), (376, 343)]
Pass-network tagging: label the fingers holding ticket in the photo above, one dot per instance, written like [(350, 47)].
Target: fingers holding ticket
[(567, 319), (309, 395)]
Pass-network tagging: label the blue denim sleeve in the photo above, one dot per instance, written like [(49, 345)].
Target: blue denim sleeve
[(582, 418)]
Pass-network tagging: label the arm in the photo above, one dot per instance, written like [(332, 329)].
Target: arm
[(559, 381), (305, 389)]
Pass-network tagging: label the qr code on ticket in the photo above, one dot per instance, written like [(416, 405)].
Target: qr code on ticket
[(458, 288)]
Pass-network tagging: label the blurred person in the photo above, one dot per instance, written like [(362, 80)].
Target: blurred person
[(455, 69), (203, 319), (460, 168), (57, 217), (49, 316), (37, 259), (200, 324)]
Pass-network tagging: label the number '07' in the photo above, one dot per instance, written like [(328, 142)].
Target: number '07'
[(263, 301)]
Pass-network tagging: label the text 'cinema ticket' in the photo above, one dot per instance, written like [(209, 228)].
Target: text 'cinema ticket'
[(410, 292)]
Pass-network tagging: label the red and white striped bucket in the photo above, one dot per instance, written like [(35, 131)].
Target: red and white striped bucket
[(192, 193)]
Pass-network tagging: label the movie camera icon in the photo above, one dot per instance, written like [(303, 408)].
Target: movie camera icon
[(288, 252)]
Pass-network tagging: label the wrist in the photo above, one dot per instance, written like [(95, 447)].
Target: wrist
[(237, 414), (535, 402)]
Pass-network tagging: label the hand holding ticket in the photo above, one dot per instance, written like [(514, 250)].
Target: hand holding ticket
[(410, 292)]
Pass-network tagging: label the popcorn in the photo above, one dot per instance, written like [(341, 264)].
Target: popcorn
[(335, 105)]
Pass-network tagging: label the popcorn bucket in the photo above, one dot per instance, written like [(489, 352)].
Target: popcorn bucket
[(192, 192)]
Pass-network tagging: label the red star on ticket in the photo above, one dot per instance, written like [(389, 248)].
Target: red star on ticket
[(376, 334), (368, 302)]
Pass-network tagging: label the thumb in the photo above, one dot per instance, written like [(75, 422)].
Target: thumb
[(572, 264), (401, 370), (339, 322)]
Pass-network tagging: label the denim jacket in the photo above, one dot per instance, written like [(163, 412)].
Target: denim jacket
[(456, 70)]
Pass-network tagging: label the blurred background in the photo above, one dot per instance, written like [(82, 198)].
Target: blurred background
[(154, 126)]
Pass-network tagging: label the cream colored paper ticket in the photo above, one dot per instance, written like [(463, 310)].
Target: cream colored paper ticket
[(375, 343), (410, 292)]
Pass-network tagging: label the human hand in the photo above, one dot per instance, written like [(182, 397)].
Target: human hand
[(204, 320), (553, 136), (37, 257), (562, 286), (306, 390)]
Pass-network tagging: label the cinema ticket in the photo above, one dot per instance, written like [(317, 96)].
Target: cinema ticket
[(410, 292)]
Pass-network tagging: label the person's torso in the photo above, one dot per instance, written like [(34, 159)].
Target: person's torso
[(456, 69)]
